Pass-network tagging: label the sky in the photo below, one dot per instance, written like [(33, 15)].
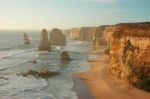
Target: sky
[(64, 14)]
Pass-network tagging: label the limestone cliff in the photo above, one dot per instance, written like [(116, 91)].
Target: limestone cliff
[(83, 33), (44, 42), (130, 51), (26, 39), (86, 33), (98, 36), (109, 30), (94, 34), (56, 37), (74, 33)]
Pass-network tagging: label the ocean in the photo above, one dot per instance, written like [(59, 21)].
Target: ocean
[(14, 57)]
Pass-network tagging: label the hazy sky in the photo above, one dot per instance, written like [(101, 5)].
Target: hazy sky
[(38, 14)]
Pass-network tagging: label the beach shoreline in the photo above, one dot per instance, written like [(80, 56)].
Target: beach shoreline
[(103, 85)]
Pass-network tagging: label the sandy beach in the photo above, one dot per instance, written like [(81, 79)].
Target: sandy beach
[(103, 85)]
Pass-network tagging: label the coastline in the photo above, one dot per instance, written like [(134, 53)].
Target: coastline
[(82, 90), (103, 85)]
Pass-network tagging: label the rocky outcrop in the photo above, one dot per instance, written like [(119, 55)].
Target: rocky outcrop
[(44, 42), (39, 74), (130, 51), (65, 56), (57, 37), (26, 39)]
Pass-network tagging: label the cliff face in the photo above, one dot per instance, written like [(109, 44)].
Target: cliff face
[(109, 30), (94, 34), (98, 36), (86, 33), (26, 39), (57, 37), (83, 33), (44, 42), (74, 33), (130, 51)]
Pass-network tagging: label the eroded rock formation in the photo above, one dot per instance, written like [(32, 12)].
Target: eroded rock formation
[(57, 37), (130, 51), (26, 39), (65, 56), (39, 74), (44, 42)]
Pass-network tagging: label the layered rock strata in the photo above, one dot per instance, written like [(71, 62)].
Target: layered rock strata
[(94, 34), (98, 36), (130, 51), (83, 33)]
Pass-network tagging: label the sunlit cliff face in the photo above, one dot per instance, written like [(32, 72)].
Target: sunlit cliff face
[(130, 51)]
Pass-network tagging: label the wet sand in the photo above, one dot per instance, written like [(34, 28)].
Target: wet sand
[(81, 88), (103, 85)]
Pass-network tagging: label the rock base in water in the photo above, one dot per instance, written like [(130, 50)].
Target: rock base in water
[(65, 56), (39, 74), (33, 61)]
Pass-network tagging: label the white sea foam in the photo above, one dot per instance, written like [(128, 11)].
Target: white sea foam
[(58, 47), (16, 57), (83, 66), (79, 42), (31, 88), (4, 54), (93, 56), (24, 88), (18, 84)]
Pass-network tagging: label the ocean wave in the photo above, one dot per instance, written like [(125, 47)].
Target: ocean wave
[(61, 88), (9, 53), (13, 58), (32, 88), (24, 88)]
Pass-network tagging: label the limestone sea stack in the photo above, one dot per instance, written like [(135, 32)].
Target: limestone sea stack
[(26, 39), (44, 43), (57, 37), (65, 56)]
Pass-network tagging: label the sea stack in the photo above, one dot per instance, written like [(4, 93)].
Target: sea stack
[(57, 37), (65, 56), (26, 39), (44, 43)]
